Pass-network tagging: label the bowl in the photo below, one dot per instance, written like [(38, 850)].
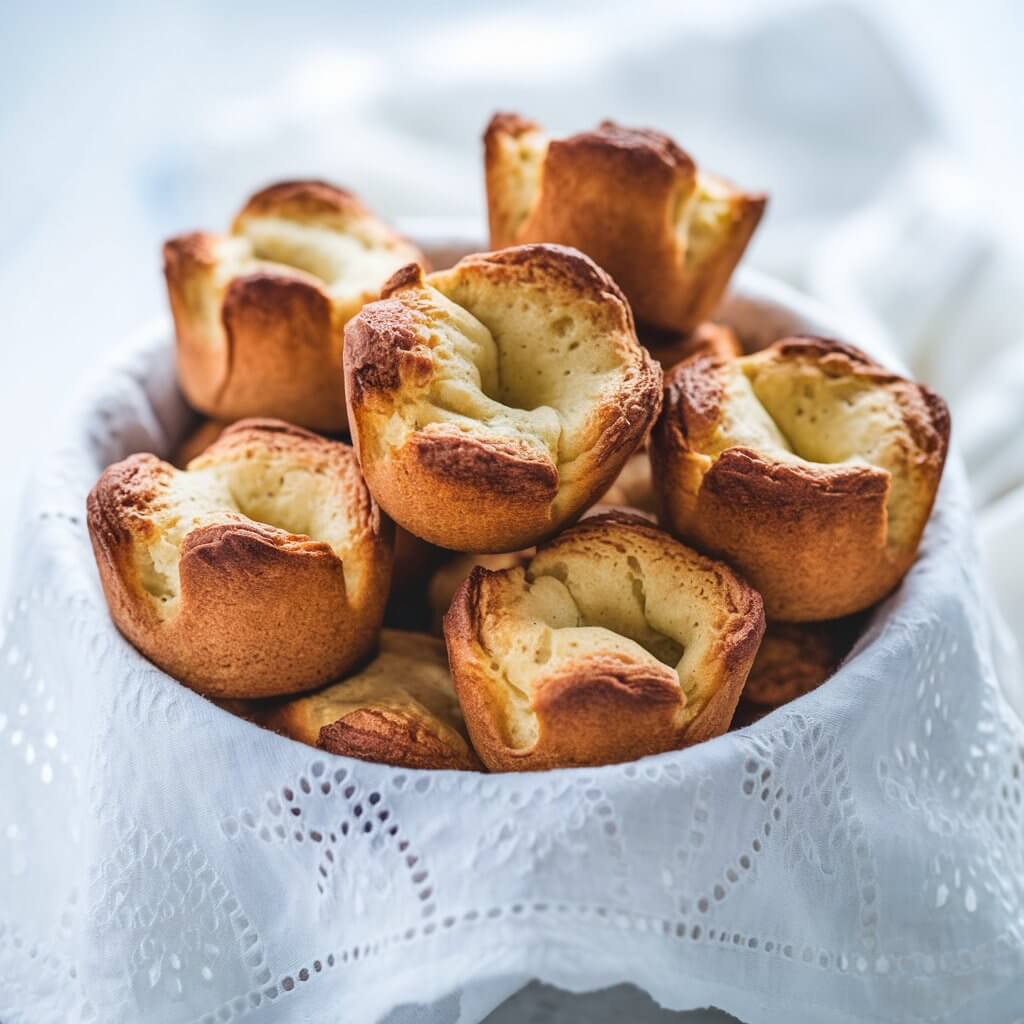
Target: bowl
[(860, 847)]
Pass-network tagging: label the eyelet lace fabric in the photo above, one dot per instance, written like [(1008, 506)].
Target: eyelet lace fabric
[(855, 856)]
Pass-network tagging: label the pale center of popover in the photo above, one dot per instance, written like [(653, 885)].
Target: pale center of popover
[(703, 216), (792, 411), (265, 490), (522, 173), (513, 361), (597, 601), (350, 263)]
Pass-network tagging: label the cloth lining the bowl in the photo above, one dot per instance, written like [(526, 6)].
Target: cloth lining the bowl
[(166, 861)]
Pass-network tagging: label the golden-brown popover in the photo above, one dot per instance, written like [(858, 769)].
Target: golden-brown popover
[(631, 199), (260, 312), (613, 642), (807, 466), (263, 569), (491, 403), (400, 709)]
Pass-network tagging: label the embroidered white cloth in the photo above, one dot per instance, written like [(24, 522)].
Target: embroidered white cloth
[(856, 856)]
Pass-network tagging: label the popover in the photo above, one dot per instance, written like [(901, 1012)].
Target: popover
[(259, 312), (631, 199), (400, 709), (807, 466), (491, 403), (263, 569), (414, 559), (613, 642)]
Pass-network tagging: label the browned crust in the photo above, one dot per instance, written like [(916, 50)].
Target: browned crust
[(396, 738), (507, 123), (192, 249), (277, 351), (266, 343), (813, 539), (614, 193), (438, 483), (408, 276), (412, 736), (554, 266), (496, 468), (383, 349), (629, 151), (277, 435), (737, 646), (308, 198), (604, 709), (261, 611), (707, 288), (435, 484)]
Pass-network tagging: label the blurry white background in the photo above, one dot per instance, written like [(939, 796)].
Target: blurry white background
[(890, 137)]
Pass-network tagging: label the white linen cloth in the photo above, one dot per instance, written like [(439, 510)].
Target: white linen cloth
[(861, 119), (857, 856)]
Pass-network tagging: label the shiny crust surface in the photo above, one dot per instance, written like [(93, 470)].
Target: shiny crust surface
[(815, 537), (242, 608)]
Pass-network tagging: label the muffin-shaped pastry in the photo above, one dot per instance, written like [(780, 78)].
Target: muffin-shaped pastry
[(613, 642), (260, 312), (807, 466), (399, 709), (263, 569), (490, 404), (631, 199)]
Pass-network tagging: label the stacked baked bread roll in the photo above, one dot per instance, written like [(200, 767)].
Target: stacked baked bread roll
[(566, 596)]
